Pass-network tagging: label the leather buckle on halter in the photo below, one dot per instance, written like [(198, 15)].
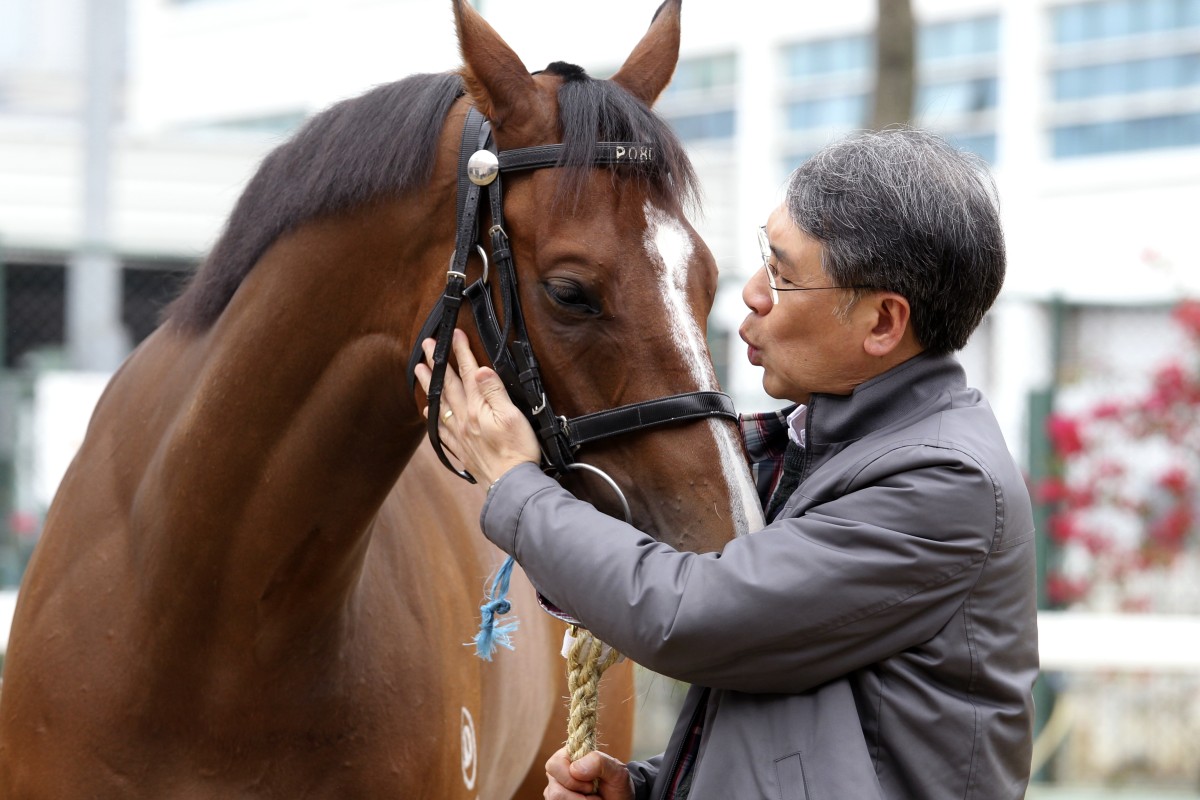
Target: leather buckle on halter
[(452, 273)]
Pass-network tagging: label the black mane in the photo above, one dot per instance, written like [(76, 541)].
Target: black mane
[(592, 110), (384, 143), (380, 142)]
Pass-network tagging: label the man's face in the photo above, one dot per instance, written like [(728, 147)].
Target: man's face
[(802, 343)]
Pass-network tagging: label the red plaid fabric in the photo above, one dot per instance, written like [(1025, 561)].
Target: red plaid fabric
[(766, 438), (681, 783)]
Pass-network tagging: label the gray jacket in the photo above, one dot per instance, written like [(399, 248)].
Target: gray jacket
[(877, 640)]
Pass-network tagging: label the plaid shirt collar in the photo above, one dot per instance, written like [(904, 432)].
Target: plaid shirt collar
[(766, 436)]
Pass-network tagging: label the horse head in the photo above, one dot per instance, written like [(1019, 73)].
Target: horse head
[(614, 283)]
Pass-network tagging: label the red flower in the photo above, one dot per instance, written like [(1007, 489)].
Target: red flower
[(1108, 410), (1090, 442), (1051, 490), (1097, 543), (1171, 529), (1170, 385), (23, 524), (1066, 435), (1136, 605), (1056, 491), (1063, 528), (1062, 590), (1175, 480), (1187, 314)]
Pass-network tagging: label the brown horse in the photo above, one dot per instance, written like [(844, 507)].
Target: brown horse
[(255, 580)]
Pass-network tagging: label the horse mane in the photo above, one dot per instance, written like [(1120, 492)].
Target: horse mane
[(592, 110), (384, 143), (381, 142)]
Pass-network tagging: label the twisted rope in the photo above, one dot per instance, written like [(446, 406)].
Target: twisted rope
[(587, 660)]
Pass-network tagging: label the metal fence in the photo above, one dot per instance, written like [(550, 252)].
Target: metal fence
[(1119, 731), (34, 309), (33, 337)]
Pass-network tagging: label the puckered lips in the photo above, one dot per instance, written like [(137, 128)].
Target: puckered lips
[(753, 354)]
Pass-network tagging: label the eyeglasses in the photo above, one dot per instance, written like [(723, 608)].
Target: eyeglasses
[(764, 245)]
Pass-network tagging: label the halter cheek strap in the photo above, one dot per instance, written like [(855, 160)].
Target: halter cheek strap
[(508, 347), (445, 313)]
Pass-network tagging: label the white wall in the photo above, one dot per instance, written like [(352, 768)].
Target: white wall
[(170, 195)]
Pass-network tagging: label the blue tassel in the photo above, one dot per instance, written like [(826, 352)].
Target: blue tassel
[(490, 634)]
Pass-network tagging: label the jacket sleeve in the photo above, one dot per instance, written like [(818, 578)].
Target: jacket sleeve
[(644, 773), (877, 569)]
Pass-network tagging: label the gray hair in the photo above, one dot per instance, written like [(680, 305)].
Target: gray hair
[(904, 211)]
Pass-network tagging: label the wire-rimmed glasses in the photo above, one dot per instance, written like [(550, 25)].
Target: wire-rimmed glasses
[(764, 245)]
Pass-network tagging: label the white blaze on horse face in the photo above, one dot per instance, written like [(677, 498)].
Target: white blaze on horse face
[(669, 245)]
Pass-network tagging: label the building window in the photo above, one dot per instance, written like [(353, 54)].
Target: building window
[(1137, 91), (1124, 135), (981, 144), (700, 101), (842, 112), (1127, 77), (712, 125), (965, 38), (703, 75), (828, 87), (958, 97), (851, 54), (1086, 22)]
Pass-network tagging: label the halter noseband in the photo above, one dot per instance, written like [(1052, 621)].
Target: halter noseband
[(508, 348)]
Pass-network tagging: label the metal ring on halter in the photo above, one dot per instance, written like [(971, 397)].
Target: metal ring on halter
[(492, 231), (611, 483), (451, 272)]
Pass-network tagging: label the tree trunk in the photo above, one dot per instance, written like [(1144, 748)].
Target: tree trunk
[(895, 59)]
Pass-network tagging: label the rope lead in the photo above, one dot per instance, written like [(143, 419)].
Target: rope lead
[(587, 659)]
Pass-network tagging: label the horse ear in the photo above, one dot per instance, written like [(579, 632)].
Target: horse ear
[(650, 66), (494, 75)]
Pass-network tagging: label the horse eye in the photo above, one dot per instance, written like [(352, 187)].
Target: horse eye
[(569, 294)]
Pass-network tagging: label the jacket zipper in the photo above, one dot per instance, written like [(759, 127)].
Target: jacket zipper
[(701, 705)]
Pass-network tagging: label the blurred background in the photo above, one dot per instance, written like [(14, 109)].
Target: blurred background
[(128, 128)]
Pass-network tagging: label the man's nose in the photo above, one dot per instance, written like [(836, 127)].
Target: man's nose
[(756, 294)]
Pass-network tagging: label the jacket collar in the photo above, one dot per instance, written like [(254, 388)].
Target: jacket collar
[(880, 403)]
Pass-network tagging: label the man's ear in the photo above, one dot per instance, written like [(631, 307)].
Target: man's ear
[(890, 329)]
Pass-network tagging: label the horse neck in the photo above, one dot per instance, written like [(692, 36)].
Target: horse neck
[(297, 419)]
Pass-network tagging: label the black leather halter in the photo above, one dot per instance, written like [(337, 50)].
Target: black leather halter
[(508, 347)]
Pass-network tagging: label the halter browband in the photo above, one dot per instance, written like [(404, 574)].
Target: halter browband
[(508, 347)]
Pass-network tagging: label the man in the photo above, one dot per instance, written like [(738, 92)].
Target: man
[(877, 639)]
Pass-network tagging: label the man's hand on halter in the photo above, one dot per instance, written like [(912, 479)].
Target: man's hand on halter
[(479, 424), (574, 781)]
